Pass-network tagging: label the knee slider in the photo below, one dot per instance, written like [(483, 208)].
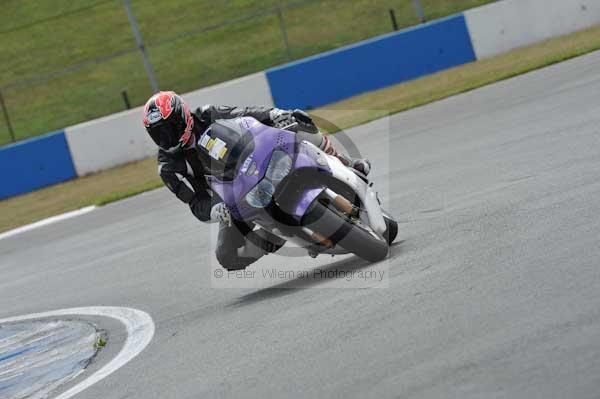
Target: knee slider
[(229, 259)]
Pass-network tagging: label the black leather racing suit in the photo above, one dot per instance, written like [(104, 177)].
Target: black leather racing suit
[(183, 174)]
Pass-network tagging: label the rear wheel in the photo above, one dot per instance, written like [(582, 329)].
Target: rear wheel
[(348, 233)]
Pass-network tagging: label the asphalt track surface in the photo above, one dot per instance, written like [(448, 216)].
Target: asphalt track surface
[(494, 290)]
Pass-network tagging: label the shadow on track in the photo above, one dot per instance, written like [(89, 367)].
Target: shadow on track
[(298, 284)]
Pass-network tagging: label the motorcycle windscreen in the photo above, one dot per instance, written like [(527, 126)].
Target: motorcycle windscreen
[(223, 147)]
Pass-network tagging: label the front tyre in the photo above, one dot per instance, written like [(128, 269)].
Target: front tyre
[(349, 234), (391, 231)]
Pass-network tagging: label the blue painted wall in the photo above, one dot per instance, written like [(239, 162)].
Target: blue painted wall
[(372, 64), (35, 163)]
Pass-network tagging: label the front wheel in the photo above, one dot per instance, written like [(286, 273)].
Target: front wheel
[(349, 234), (391, 231)]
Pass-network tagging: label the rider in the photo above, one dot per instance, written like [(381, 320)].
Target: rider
[(175, 130)]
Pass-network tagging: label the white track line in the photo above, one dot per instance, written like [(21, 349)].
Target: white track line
[(140, 330), (47, 221)]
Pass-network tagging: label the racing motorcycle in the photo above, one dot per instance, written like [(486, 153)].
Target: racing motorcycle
[(289, 188)]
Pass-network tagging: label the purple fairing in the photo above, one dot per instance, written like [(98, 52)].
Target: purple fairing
[(254, 167)]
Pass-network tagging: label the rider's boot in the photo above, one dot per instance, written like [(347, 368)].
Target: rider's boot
[(362, 165)]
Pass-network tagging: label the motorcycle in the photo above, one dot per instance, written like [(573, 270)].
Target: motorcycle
[(291, 189)]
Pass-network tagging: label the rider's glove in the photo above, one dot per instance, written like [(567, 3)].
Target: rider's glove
[(281, 118), (305, 122), (220, 213), (302, 116)]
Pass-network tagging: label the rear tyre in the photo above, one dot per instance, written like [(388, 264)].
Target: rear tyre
[(353, 237)]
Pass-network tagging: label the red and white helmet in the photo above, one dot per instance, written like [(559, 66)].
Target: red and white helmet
[(168, 121)]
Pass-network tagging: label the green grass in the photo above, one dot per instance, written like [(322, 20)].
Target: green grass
[(44, 37), (100, 343), (124, 181)]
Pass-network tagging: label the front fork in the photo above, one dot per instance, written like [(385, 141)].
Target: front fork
[(368, 196)]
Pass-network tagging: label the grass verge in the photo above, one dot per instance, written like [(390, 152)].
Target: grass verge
[(97, 189), (137, 177)]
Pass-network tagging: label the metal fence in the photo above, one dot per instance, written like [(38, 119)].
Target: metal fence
[(68, 62)]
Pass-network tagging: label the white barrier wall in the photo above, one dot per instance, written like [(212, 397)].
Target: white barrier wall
[(120, 138), (507, 24)]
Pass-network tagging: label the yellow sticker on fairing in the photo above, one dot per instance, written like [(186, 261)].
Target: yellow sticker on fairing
[(217, 149), (210, 144), (204, 140)]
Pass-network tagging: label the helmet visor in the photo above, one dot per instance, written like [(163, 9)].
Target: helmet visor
[(164, 135)]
